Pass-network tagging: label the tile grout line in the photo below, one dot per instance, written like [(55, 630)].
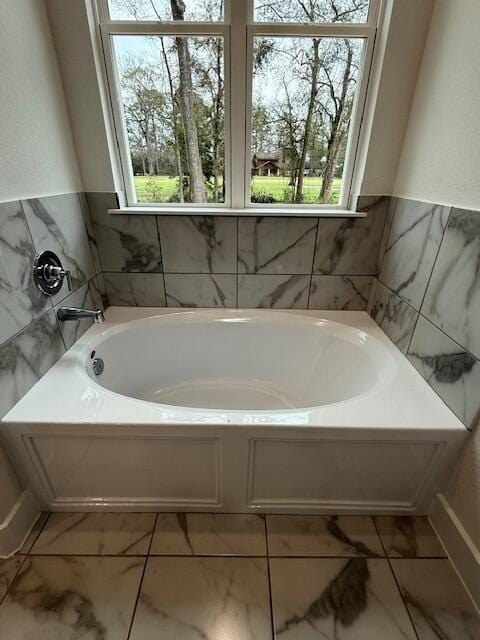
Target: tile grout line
[(419, 311), (24, 560), (157, 223), (387, 557), (237, 275), (217, 555), (313, 263), (232, 273), (134, 611), (39, 533), (440, 244), (25, 557), (272, 621)]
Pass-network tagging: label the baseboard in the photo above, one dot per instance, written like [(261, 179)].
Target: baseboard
[(459, 546), (18, 524)]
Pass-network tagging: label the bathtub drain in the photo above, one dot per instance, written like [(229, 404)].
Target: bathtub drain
[(98, 366)]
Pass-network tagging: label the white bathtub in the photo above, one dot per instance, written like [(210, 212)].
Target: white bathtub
[(234, 411)]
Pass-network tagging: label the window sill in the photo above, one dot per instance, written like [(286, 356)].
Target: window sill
[(254, 211)]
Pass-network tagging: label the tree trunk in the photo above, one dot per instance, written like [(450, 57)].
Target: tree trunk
[(178, 155), (308, 121), (330, 166), (197, 186), (336, 132), (217, 119)]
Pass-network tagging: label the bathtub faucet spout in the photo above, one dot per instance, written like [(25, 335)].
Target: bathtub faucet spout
[(72, 313)]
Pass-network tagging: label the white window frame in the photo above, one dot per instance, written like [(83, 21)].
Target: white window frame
[(238, 31)]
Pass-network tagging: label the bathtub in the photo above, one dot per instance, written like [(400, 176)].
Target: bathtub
[(231, 410)]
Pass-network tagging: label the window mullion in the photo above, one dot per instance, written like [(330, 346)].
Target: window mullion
[(238, 111)]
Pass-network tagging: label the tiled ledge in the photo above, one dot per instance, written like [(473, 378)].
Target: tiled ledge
[(427, 295)]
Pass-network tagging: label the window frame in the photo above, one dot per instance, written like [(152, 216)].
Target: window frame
[(238, 31)]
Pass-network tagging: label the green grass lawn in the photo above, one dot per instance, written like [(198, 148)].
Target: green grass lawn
[(278, 185), (162, 188)]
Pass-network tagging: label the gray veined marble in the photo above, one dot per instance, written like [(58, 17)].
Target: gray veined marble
[(203, 598), (71, 597), (408, 537), (337, 599), (201, 290), (452, 301), (135, 289), (412, 246), (392, 205), (95, 533), (276, 245), (57, 224), (437, 601), (87, 296), (20, 300), (27, 357), (450, 370), (349, 246), (99, 290), (340, 292), (90, 233), (125, 242), (209, 534), (393, 315), (8, 571), (322, 536), (35, 530), (198, 244), (273, 291)]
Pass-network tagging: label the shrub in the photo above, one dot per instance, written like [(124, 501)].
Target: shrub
[(262, 197)]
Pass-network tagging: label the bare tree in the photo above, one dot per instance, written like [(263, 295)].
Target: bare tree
[(314, 68), (174, 105), (194, 160), (339, 120)]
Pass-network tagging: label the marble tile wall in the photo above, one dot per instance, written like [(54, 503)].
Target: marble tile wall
[(224, 261), (427, 297), (31, 339)]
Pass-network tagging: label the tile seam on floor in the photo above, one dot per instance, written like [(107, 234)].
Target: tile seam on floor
[(134, 611), (220, 555), (387, 558), (40, 531), (270, 592), (3, 598)]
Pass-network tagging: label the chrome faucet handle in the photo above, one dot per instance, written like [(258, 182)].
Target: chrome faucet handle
[(53, 272), (49, 274)]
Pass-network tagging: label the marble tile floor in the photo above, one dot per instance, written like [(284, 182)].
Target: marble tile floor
[(200, 576)]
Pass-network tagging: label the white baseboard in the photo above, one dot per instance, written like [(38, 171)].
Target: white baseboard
[(18, 524), (459, 546)]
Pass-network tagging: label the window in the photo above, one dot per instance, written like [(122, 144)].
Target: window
[(238, 104)]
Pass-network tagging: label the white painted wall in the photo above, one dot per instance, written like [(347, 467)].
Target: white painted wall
[(79, 62), (440, 160), (402, 47), (38, 156)]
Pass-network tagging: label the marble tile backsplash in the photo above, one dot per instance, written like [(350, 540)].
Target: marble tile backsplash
[(31, 339), (225, 261), (427, 297)]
